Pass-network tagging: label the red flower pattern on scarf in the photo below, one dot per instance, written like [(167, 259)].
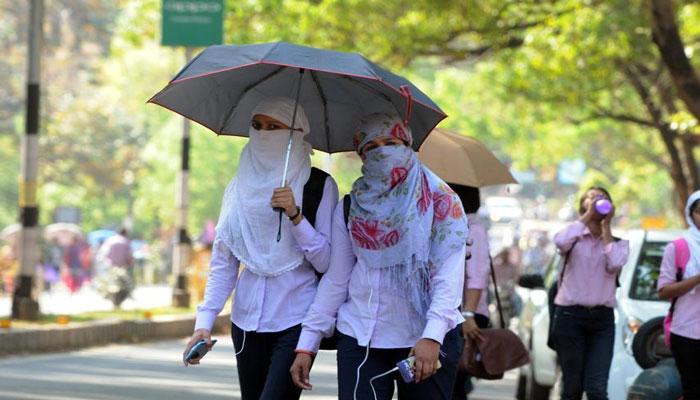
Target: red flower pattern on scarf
[(366, 233), (456, 211), (398, 175), (424, 198), (442, 205), (391, 238)]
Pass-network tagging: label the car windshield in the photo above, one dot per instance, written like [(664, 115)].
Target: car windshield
[(647, 272)]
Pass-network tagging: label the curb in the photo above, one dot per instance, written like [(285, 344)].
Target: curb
[(88, 334)]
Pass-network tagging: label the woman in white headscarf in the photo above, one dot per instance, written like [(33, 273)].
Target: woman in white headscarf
[(678, 281), (278, 282)]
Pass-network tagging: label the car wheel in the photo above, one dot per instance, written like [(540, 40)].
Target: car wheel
[(535, 391), (646, 345), (522, 386)]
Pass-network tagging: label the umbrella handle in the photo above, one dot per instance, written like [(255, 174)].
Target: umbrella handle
[(289, 148)]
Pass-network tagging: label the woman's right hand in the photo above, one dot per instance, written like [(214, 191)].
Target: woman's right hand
[(198, 335), (470, 330), (590, 211), (300, 371)]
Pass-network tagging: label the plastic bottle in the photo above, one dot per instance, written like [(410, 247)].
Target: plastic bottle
[(603, 206)]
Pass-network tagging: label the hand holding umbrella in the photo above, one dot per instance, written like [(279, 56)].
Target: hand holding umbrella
[(219, 88)]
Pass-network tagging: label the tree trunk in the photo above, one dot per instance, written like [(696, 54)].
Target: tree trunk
[(672, 50), (668, 136)]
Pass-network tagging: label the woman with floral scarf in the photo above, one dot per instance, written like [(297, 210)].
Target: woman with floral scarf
[(395, 281)]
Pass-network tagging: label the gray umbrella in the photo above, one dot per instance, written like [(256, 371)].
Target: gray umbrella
[(220, 87)]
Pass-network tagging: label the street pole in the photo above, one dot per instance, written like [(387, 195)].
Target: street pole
[(24, 304), (183, 245)]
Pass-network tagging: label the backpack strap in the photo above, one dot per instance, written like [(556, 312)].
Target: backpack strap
[(682, 257), (566, 261), (682, 254), (498, 297), (313, 192), (347, 202)]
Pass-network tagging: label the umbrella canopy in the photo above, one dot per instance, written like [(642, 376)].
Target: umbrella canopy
[(10, 232), (63, 232), (463, 160), (97, 237), (220, 87)]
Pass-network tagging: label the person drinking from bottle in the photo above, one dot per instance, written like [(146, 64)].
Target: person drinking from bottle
[(583, 324)]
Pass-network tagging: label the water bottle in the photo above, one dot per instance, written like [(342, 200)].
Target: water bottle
[(603, 206)]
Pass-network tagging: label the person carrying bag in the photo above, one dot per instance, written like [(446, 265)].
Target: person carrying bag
[(497, 351)]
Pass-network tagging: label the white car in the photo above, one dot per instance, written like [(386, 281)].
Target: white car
[(537, 378), (637, 303), (502, 209)]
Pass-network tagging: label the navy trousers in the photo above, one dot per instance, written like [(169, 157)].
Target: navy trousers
[(584, 338), (263, 365), (350, 356)]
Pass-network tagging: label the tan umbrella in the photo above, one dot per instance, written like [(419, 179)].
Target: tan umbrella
[(63, 232), (463, 160)]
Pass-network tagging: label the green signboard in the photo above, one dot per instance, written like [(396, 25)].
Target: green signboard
[(193, 23)]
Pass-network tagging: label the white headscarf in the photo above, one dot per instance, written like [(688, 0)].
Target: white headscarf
[(247, 224), (692, 236)]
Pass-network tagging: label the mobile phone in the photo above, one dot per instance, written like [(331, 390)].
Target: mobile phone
[(407, 371), (197, 351)]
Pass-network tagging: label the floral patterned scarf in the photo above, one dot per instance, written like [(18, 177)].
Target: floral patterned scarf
[(403, 218)]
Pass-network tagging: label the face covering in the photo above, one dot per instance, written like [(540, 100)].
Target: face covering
[(247, 224)]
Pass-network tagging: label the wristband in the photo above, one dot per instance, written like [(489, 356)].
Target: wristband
[(467, 314), (309, 353), (293, 217)]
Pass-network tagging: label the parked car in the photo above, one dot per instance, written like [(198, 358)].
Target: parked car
[(502, 209), (660, 379), (637, 303)]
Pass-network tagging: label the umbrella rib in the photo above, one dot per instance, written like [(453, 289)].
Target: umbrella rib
[(325, 109), (246, 90), (373, 90)]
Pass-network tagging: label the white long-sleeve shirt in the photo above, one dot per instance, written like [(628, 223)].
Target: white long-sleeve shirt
[(271, 304)]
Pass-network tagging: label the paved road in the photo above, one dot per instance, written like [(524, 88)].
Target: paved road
[(155, 371)]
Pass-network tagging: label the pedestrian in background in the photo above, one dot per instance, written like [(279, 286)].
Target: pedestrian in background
[(583, 324), (680, 284), (116, 251), (476, 280)]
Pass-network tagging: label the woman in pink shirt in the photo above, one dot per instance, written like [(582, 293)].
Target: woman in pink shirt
[(476, 279), (583, 327), (682, 288)]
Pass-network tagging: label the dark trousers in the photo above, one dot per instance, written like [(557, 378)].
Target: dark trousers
[(686, 351), (263, 365), (463, 380), (351, 355), (584, 338)]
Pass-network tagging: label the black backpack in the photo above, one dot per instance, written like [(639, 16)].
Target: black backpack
[(313, 192)]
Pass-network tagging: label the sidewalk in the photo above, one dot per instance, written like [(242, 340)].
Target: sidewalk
[(41, 337), (61, 301)]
